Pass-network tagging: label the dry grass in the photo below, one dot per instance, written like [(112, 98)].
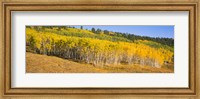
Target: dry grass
[(36, 63)]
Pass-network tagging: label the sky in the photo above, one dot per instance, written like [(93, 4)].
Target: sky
[(166, 31)]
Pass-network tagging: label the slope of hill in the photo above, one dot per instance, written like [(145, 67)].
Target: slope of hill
[(52, 64), (83, 33), (110, 35), (97, 48), (155, 44), (96, 51)]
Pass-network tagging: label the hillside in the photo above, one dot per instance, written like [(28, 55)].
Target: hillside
[(52, 64), (101, 49), (75, 32), (101, 34)]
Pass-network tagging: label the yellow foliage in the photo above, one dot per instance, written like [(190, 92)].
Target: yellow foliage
[(96, 51)]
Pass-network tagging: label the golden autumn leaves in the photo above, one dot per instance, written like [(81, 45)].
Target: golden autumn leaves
[(99, 52)]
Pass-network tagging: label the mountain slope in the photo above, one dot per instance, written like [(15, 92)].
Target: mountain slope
[(96, 51), (36, 63)]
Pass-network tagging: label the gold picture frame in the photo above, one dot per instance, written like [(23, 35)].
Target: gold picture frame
[(119, 5)]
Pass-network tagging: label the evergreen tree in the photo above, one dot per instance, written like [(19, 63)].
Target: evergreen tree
[(106, 32), (81, 27), (93, 30), (98, 31)]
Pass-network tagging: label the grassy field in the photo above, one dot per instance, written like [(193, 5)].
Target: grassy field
[(37, 63)]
